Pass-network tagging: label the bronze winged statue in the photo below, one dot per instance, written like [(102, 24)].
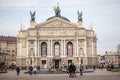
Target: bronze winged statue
[(32, 16), (79, 16)]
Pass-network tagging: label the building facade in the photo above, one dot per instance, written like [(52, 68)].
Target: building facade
[(3, 60), (8, 49), (56, 42), (112, 59)]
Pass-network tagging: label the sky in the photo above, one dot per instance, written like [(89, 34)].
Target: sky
[(103, 14)]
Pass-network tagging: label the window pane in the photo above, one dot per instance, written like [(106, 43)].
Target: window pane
[(57, 49), (44, 49), (70, 49)]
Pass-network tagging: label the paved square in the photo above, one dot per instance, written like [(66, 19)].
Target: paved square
[(96, 75)]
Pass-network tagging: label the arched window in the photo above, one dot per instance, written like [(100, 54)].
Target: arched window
[(69, 49), (56, 49), (43, 49)]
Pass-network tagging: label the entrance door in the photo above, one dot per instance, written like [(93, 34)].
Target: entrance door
[(56, 64)]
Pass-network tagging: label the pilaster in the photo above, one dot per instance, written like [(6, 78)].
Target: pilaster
[(48, 51), (64, 47), (77, 48), (62, 53), (35, 48), (51, 47), (27, 49)]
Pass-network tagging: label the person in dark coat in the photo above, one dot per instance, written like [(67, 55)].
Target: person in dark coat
[(93, 67), (74, 69), (70, 68), (30, 70), (18, 71), (81, 70)]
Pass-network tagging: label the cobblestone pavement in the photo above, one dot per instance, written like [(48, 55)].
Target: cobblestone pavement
[(96, 75)]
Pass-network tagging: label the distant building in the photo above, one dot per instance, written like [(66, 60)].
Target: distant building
[(8, 46), (98, 60), (112, 58), (4, 60), (56, 42)]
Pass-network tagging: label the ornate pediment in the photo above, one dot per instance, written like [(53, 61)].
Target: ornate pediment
[(56, 22)]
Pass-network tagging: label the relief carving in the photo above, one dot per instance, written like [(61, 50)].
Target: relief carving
[(57, 24)]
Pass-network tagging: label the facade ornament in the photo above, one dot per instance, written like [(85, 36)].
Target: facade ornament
[(32, 16), (79, 16), (57, 11)]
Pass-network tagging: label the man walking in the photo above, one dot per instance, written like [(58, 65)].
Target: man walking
[(81, 69), (30, 70), (18, 71)]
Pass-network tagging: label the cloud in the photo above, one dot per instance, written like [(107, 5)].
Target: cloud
[(17, 3)]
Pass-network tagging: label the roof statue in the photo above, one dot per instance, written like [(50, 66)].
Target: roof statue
[(79, 16), (57, 11), (32, 16)]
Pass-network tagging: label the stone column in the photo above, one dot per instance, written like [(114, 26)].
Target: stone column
[(48, 48), (35, 48), (27, 49), (85, 48), (64, 47), (62, 53), (39, 48), (92, 53), (51, 48), (77, 48), (20, 49), (38, 54)]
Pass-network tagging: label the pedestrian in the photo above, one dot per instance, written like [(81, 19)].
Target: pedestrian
[(74, 69), (38, 68), (30, 70), (18, 71), (94, 67), (81, 69), (70, 69), (35, 70)]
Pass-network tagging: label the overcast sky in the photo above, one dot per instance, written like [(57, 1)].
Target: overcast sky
[(103, 14)]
